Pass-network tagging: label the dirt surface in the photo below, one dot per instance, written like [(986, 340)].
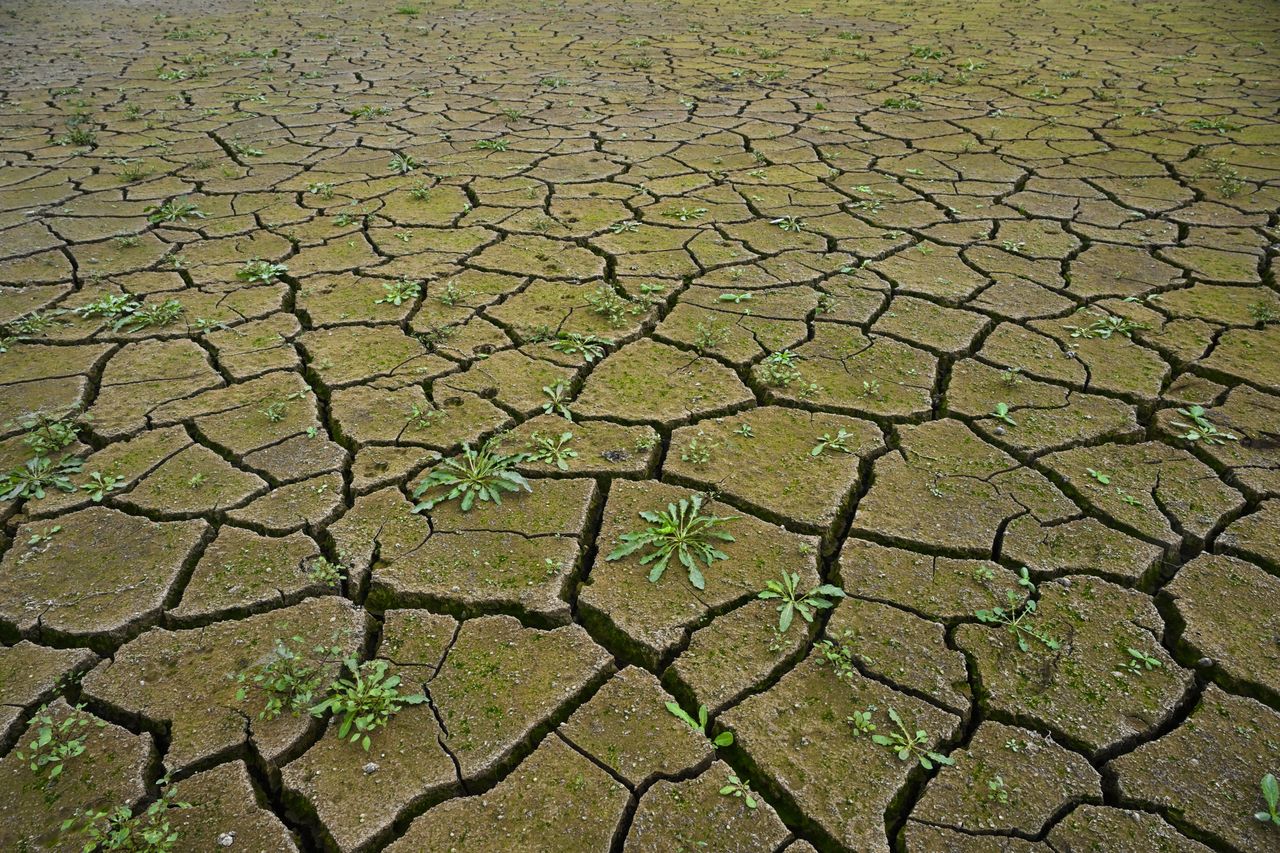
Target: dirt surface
[(957, 321)]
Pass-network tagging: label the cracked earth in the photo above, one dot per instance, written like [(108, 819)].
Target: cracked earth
[(947, 306)]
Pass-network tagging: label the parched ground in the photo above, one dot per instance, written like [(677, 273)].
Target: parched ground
[(967, 310)]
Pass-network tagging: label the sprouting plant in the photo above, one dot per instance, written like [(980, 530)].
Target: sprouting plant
[(483, 474), (491, 145), (274, 411), (400, 291), (109, 306), (996, 790), (861, 722), (1014, 246), (1018, 620), (173, 210), (402, 164), (709, 335), (606, 302), (684, 214), (55, 742), (838, 442), (289, 679), (1009, 376), (1140, 662), (699, 449), (1200, 429), (557, 402), (322, 189), (744, 429), (147, 316), (735, 787), (330, 574), (908, 744), (905, 102), (1101, 476), (1001, 412), (628, 225), (588, 346), (100, 484), (365, 701), (38, 474), (121, 829), (681, 530), (1263, 312), (553, 450), (1106, 326), (792, 601), (699, 725), (1270, 795), (735, 298), (263, 272), (788, 223), (423, 417), (197, 480), (1218, 125), (45, 434), (780, 368)]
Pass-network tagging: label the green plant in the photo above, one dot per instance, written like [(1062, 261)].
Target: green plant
[(709, 335), (289, 680), (263, 272), (147, 316), (1200, 429), (838, 442), (173, 210), (588, 346), (45, 434), (996, 790), (483, 474), (606, 302), (1263, 312), (491, 145), (629, 225), (109, 306), (552, 449), (1106, 326), (324, 572), (780, 369), (1270, 795), (684, 214), (55, 742), (399, 292), (735, 787), (274, 411), (1218, 125), (699, 449), (402, 164), (121, 829), (557, 402), (908, 744), (1017, 619), (681, 530), (423, 417), (699, 725), (1001, 413), (791, 601), (452, 294), (321, 188), (788, 223), (100, 484), (861, 722), (365, 701), (39, 473), (905, 102), (1140, 662)]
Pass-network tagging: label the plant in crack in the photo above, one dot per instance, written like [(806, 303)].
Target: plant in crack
[(735, 787), (589, 347), (1001, 413), (483, 474), (400, 291), (121, 829), (557, 400), (1271, 796), (1017, 619), (330, 574), (262, 272), (173, 210), (45, 434), (40, 473), (149, 316), (1200, 429), (910, 745), (789, 223), (55, 742), (606, 302), (681, 530), (838, 442), (109, 306), (699, 725), (780, 368), (289, 679), (100, 485), (554, 450), (791, 601), (365, 701)]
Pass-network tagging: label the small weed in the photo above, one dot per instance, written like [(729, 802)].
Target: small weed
[(606, 302), (685, 214), (55, 742), (274, 412), (553, 450), (366, 701), (289, 680), (399, 292), (997, 792), (100, 484), (588, 346), (1271, 796), (709, 335), (793, 224), (735, 787), (1140, 662), (402, 164), (1219, 126), (627, 226), (38, 474), (699, 725), (1106, 326), (699, 449), (681, 530), (1018, 621), (1200, 429), (329, 574), (905, 103), (792, 601), (121, 829), (45, 434), (146, 317), (491, 145), (321, 189), (557, 400), (1263, 312), (452, 294), (483, 474), (1001, 412), (173, 210), (262, 272), (109, 306), (838, 443), (910, 745)]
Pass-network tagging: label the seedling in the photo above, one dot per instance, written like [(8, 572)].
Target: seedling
[(491, 145), (423, 417), (1106, 326), (1219, 126), (1140, 662), (263, 272), (588, 346), (121, 829), (452, 294), (1017, 620), (1200, 429), (1100, 476), (402, 164), (629, 225), (109, 306), (861, 723), (46, 435), (289, 680), (700, 725), (791, 601), (324, 572), (606, 302), (40, 473), (100, 484), (996, 790), (838, 443), (744, 429), (708, 336), (557, 400), (274, 412), (366, 701), (322, 189), (1271, 795), (909, 745), (147, 316), (55, 742), (789, 223), (554, 450), (735, 298), (685, 214), (699, 449), (1001, 412), (681, 530), (736, 787), (483, 474), (173, 210), (399, 292)]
